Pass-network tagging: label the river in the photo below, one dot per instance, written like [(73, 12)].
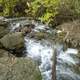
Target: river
[(42, 51)]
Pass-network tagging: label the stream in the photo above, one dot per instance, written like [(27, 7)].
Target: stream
[(42, 51)]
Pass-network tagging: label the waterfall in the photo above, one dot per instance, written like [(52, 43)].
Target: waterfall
[(42, 52)]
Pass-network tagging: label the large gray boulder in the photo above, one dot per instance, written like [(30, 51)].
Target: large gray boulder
[(19, 69), (13, 40)]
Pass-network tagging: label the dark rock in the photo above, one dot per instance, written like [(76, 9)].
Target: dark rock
[(25, 29)]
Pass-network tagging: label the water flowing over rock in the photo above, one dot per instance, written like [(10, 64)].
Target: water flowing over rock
[(68, 67), (41, 51), (44, 47), (40, 46)]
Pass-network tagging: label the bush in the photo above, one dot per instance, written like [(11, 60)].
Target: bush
[(51, 11), (44, 10), (68, 10), (38, 9), (8, 7)]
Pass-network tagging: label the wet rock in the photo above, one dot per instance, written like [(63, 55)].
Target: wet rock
[(38, 35), (25, 29), (3, 28), (19, 69), (78, 54), (3, 22), (13, 40)]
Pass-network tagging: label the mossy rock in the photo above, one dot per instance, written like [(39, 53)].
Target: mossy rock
[(38, 35), (19, 69), (13, 40), (3, 28)]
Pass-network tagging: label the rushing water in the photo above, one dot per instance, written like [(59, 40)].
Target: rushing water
[(67, 65), (42, 51)]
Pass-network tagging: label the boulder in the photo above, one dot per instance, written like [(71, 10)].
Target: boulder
[(13, 40), (20, 69), (70, 34), (3, 28)]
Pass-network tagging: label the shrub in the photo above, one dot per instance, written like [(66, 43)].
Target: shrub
[(44, 10), (68, 10)]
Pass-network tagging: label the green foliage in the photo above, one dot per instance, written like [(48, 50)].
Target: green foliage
[(45, 9), (68, 10), (8, 7), (72, 6)]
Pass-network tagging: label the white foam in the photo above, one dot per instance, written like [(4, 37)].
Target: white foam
[(37, 51), (71, 51)]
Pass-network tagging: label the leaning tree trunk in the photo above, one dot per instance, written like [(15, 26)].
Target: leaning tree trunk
[(54, 65)]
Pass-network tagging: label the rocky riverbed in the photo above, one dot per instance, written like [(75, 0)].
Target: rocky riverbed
[(12, 67), (30, 50)]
